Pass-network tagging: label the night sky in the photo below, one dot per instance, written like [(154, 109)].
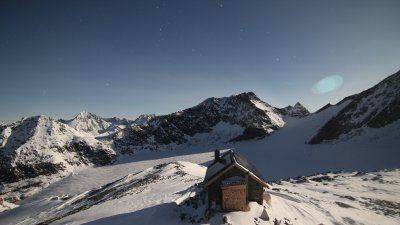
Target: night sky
[(126, 58)]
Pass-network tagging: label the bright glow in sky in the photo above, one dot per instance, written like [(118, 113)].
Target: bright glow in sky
[(124, 58), (327, 84)]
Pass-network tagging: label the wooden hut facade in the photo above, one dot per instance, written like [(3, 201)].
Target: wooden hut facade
[(231, 182)]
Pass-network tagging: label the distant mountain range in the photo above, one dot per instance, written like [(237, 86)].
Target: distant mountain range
[(42, 146)]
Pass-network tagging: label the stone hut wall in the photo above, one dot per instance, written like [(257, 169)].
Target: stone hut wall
[(256, 191)]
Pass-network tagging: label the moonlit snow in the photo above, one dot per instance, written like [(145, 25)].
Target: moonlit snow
[(283, 154)]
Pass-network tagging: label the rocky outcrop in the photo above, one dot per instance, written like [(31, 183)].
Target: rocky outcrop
[(298, 110)]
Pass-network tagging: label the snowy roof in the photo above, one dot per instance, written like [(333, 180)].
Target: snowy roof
[(227, 159)]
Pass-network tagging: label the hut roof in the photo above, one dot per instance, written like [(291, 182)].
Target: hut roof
[(229, 159)]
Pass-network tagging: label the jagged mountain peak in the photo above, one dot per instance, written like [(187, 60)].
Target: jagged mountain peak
[(249, 95), (144, 119), (238, 106), (244, 96), (298, 110), (86, 115), (89, 123), (298, 104)]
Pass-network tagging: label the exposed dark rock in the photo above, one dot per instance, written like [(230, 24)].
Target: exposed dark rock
[(322, 178), (177, 128), (298, 110), (300, 179), (86, 154), (375, 108), (89, 154), (22, 171), (388, 208), (344, 205)]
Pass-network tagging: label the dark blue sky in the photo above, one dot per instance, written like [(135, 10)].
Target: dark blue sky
[(125, 58)]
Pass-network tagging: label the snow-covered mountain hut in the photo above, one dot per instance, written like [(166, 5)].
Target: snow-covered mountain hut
[(231, 182)]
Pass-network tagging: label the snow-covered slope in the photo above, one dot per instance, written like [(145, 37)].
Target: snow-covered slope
[(156, 187), (42, 146), (286, 152), (168, 194), (245, 114), (338, 198), (374, 108)]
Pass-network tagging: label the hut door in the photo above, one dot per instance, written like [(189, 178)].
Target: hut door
[(234, 198)]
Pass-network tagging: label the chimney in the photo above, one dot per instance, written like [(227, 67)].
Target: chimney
[(216, 155)]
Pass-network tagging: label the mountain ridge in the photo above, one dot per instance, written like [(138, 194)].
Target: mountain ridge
[(375, 107), (245, 110)]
